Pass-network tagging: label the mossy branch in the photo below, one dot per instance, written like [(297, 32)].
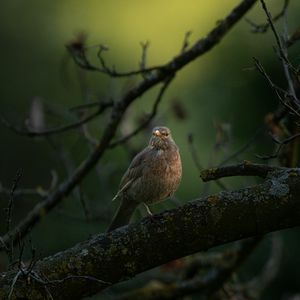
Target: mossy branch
[(197, 226)]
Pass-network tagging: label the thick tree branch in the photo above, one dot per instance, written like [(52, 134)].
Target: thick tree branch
[(199, 48), (262, 28), (196, 226)]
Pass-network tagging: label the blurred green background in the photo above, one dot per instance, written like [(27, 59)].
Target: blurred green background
[(219, 90)]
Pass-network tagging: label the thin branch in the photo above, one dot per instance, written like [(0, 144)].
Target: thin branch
[(11, 200), (145, 47), (185, 43), (81, 59), (243, 148), (287, 140), (83, 62), (88, 136), (280, 146), (59, 129), (14, 281), (10, 247), (38, 191), (277, 38), (193, 152), (85, 206), (283, 96), (282, 54), (23, 192), (197, 162), (294, 37), (271, 156), (285, 51), (85, 106), (70, 277)]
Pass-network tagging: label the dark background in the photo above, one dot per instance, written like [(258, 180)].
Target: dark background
[(222, 88)]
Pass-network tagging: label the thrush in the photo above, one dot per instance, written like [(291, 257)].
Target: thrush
[(153, 175)]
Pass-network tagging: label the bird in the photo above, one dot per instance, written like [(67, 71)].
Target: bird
[(153, 175)]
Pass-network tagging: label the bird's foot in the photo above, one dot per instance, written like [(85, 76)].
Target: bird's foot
[(148, 210), (150, 214)]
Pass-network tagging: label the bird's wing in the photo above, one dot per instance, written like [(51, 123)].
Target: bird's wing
[(136, 168), (121, 190)]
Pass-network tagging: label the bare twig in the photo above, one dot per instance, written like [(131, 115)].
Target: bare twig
[(287, 140), (10, 247), (197, 162), (271, 156), (13, 284), (21, 251), (283, 96), (29, 273), (242, 148), (70, 277), (85, 206), (262, 28), (193, 152), (38, 191), (281, 52), (277, 38), (288, 99), (59, 129), (11, 200), (185, 43), (33, 260), (145, 47), (285, 51), (83, 62), (88, 136), (91, 105), (23, 192), (294, 37)]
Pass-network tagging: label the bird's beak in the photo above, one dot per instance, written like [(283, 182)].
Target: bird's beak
[(157, 133)]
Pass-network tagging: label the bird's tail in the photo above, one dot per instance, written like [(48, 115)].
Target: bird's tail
[(123, 214)]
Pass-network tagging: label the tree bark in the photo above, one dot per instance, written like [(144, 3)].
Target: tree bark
[(196, 226)]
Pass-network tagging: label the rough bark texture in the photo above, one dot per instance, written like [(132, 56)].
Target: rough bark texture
[(196, 226)]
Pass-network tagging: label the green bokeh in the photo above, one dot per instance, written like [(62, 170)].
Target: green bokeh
[(220, 87)]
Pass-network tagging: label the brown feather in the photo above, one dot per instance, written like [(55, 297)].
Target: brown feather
[(153, 175)]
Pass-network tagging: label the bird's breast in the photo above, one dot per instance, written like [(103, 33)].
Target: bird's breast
[(163, 178)]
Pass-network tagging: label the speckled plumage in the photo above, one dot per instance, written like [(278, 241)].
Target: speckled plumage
[(153, 175)]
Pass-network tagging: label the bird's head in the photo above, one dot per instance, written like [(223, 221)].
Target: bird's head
[(161, 138)]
